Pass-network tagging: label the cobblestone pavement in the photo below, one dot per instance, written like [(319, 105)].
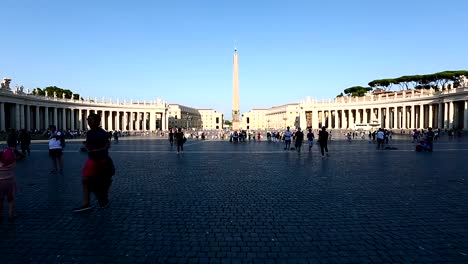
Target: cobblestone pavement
[(247, 203)]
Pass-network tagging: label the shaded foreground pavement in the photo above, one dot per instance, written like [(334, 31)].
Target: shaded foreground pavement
[(247, 203)]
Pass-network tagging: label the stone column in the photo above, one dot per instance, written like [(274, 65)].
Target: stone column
[(315, 122), (130, 126), (23, 117), (64, 119), (413, 116), (163, 121), (451, 114), (46, 118), (72, 119), (38, 118), (28, 117), (395, 117), (364, 114), (124, 121), (387, 117), (351, 119), (108, 120), (430, 122), (421, 116), (17, 116), (152, 120), (55, 121), (145, 119), (344, 119), (335, 120), (2, 117), (403, 114), (440, 115), (117, 121), (80, 119), (465, 116)]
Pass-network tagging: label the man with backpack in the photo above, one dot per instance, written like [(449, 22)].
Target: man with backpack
[(56, 144)]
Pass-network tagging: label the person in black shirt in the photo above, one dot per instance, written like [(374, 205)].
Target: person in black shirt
[(99, 168), (171, 137), (180, 139), (430, 138), (323, 141), (299, 139)]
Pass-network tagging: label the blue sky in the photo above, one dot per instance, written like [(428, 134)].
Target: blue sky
[(181, 51)]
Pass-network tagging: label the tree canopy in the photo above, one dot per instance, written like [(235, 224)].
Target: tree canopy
[(357, 91), (60, 91), (425, 81)]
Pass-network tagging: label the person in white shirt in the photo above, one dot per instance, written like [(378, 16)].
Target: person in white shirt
[(380, 138), (56, 149), (287, 138)]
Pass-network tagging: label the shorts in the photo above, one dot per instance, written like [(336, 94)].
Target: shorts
[(55, 153)]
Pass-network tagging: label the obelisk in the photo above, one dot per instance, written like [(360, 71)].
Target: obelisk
[(235, 93)]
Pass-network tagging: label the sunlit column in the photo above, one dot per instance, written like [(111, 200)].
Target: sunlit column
[(152, 120), (145, 116), (440, 115), (72, 119), (421, 116), (2, 117), (108, 120), (451, 114), (117, 120), (413, 116), (23, 119), (130, 126), (55, 121), (387, 117), (17, 117), (403, 114), (395, 117), (465, 116), (64, 119), (431, 118), (38, 118), (28, 117), (46, 118)]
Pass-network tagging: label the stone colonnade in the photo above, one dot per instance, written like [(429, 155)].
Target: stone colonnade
[(72, 116), (447, 110)]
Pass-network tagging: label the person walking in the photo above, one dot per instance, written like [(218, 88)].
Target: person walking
[(380, 139), (180, 140), (8, 181), (430, 138), (171, 137), (310, 138), (299, 138), (25, 141), (287, 139), (323, 141), (98, 168), (56, 149)]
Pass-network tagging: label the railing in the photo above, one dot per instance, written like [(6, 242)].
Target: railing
[(387, 97), (155, 103)]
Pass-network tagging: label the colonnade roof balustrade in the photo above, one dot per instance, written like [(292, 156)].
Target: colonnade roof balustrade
[(388, 97), (17, 97)]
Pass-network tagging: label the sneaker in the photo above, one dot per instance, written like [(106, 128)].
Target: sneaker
[(83, 208)]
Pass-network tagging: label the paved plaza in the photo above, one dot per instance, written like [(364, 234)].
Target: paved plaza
[(221, 202)]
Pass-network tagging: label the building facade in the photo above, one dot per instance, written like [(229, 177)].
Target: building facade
[(274, 118), (211, 119), (183, 116)]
